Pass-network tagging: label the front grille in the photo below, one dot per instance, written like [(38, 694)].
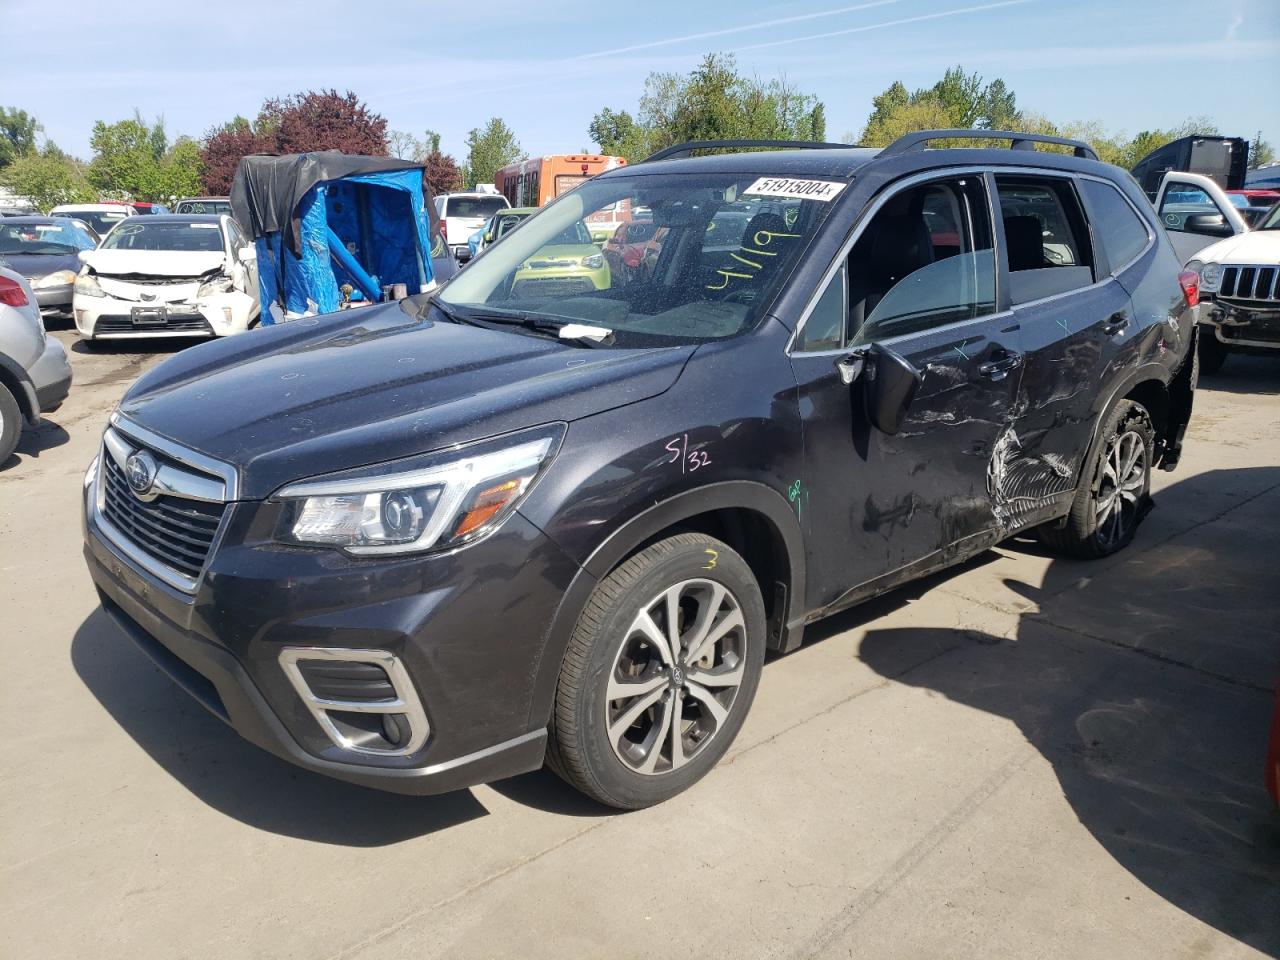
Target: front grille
[(1250, 283), (551, 287), (116, 323), (175, 531), (349, 680)]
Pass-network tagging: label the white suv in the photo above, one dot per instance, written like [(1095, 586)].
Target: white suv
[(462, 214)]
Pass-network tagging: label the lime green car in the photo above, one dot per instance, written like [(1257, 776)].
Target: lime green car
[(570, 265)]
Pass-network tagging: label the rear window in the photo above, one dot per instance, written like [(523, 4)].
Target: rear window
[(203, 206), (1116, 225), (481, 208), (177, 237)]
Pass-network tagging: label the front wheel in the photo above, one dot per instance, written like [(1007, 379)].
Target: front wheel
[(10, 424), (1115, 494), (660, 672)]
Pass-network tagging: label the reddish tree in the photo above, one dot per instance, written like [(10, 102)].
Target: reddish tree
[(440, 173), (323, 120)]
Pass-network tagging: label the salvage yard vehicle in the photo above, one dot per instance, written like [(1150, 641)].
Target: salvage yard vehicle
[(46, 250), (100, 216), (35, 376), (167, 275), (1196, 212), (445, 540), (498, 226), (568, 263), (462, 214), (1240, 291), (214, 205)]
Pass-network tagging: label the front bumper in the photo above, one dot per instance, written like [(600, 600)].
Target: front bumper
[(51, 375), (55, 301), (109, 318), (1238, 325), (469, 629)]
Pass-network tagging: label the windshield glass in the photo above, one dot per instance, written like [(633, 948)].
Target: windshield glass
[(1271, 221), (100, 221), (45, 239), (703, 264), (481, 208), (143, 233), (505, 223), (203, 206)]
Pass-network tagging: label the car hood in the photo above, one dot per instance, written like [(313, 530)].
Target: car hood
[(1261, 247), (41, 264), (380, 383), (162, 263)]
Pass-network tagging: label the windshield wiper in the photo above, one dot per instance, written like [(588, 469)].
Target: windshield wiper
[(566, 330)]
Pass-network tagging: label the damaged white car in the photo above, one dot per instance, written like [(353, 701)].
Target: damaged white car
[(168, 276)]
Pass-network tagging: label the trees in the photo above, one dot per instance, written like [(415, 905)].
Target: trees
[(303, 122), (1261, 152), (958, 100), (134, 160), (18, 131), (489, 148), (713, 102), (48, 178)]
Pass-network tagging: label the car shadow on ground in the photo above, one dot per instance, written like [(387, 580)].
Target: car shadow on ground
[(35, 441), (131, 345), (1246, 374), (1148, 684), (232, 775)]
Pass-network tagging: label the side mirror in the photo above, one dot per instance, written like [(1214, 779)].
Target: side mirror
[(81, 256), (1208, 225), (889, 384), (248, 253)]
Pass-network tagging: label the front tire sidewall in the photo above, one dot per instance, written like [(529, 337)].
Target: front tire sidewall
[(1130, 417), (10, 424), (615, 783)]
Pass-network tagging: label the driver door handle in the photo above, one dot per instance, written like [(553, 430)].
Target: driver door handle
[(1115, 323), (999, 368)]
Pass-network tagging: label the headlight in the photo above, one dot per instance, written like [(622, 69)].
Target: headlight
[(593, 262), (217, 285), (56, 279), (1211, 277), (87, 284), (450, 500)]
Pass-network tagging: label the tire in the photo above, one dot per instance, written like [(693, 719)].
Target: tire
[(10, 424), (622, 634), (1213, 352), (1106, 511)]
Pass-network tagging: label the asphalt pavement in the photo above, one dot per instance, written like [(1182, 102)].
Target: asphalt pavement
[(1022, 757)]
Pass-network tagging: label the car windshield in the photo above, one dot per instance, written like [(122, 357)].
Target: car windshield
[(186, 236), (481, 208), (1271, 221), (203, 206), (47, 239), (718, 249), (508, 221), (100, 220)]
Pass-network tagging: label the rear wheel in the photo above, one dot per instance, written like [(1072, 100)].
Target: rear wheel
[(660, 672), (10, 424), (1107, 510), (1213, 352)]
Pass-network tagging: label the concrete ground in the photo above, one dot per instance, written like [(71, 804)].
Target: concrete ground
[(1024, 757)]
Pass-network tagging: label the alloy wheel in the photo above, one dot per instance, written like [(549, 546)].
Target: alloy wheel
[(675, 676), (1121, 487)]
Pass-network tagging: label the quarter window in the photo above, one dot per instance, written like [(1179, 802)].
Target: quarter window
[(824, 329), (1116, 225), (925, 260), (1046, 241)]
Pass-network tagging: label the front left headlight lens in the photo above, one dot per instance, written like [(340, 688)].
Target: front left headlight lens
[(453, 501), (217, 285), (87, 285), (58, 278), (593, 262)]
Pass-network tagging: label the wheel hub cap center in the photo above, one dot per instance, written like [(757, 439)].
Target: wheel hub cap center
[(677, 676)]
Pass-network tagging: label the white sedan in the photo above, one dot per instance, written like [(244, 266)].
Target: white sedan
[(167, 276)]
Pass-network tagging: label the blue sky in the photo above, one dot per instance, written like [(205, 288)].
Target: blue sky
[(546, 67)]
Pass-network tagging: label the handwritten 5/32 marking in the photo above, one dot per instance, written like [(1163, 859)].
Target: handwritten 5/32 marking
[(689, 462)]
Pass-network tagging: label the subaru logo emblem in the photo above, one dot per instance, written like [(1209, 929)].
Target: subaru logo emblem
[(140, 471)]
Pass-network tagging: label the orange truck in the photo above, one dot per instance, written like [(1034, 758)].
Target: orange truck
[(539, 180)]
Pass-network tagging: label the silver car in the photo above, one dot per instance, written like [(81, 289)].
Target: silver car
[(35, 375)]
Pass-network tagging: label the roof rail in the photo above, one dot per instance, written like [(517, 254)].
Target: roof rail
[(1021, 141), (686, 148)]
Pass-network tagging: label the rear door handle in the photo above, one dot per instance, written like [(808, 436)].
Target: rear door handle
[(999, 368), (1115, 323)]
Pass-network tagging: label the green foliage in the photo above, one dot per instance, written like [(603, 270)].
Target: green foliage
[(133, 160), (488, 149), (18, 131), (47, 179), (713, 102), (1261, 153)]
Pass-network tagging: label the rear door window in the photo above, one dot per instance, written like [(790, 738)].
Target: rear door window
[(1046, 241), (1117, 227), (481, 208)]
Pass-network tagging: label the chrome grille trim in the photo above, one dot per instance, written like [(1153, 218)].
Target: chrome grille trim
[(154, 532), (1257, 282)]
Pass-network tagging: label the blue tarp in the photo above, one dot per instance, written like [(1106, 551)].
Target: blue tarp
[(381, 216)]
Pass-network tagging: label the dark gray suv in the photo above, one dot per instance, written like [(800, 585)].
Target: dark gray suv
[(436, 542)]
